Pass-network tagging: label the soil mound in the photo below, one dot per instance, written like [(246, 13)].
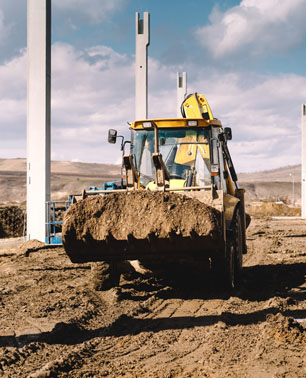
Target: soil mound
[(273, 209), (285, 329), (30, 246), (11, 221), (137, 224)]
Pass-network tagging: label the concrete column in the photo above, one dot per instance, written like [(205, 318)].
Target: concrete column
[(38, 116), (303, 161), (142, 43), (181, 92)]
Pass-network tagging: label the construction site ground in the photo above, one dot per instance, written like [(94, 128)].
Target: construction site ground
[(180, 324)]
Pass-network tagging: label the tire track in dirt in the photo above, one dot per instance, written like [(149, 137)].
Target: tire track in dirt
[(157, 327), (177, 350), (157, 347), (142, 342)]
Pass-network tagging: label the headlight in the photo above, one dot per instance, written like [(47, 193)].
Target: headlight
[(147, 125), (192, 123)]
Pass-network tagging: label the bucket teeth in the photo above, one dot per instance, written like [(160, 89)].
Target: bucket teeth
[(109, 239), (193, 235), (130, 239), (151, 237), (172, 236)]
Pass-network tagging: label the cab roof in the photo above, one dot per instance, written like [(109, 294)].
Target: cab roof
[(174, 122)]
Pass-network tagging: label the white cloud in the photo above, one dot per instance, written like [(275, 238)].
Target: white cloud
[(12, 28), (91, 87), (93, 90), (264, 113), (68, 18), (95, 10), (13, 101), (254, 27)]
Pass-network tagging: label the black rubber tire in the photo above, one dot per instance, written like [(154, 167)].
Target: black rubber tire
[(104, 276), (227, 269), (233, 263)]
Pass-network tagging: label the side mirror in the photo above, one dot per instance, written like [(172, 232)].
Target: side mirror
[(112, 136), (228, 133)]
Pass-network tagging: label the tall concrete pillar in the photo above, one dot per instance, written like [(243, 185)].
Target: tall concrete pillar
[(181, 92), (303, 161), (38, 116), (142, 43)]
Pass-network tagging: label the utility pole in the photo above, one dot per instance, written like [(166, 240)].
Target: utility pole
[(303, 161), (38, 116), (142, 43)]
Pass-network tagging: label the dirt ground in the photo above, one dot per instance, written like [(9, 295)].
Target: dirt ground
[(272, 209), (53, 324)]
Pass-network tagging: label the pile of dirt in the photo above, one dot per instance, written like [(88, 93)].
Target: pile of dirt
[(273, 209), (285, 329), (131, 225), (30, 246), (11, 221)]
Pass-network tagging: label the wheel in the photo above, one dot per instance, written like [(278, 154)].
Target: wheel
[(104, 275), (227, 269), (233, 261)]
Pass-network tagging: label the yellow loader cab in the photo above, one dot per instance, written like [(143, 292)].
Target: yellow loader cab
[(193, 148), (185, 148)]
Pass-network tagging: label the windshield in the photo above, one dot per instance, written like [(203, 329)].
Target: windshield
[(183, 151)]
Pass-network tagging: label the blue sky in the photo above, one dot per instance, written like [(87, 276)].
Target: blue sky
[(247, 57), (170, 21)]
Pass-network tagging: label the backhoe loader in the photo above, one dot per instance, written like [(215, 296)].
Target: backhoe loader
[(178, 199)]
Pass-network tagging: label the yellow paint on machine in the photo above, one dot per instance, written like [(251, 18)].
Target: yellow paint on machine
[(196, 106), (186, 153), (173, 184)]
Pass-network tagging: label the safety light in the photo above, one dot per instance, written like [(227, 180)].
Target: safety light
[(192, 123), (147, 125)]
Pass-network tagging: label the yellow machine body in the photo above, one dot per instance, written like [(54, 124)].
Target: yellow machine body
[(187, 155)]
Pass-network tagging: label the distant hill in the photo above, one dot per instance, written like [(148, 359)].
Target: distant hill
[(280, 174), (280, 184), (73, 177), (66, 178), (19, 165)]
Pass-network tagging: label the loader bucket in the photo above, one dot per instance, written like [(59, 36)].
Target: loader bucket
[(141, 225)]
